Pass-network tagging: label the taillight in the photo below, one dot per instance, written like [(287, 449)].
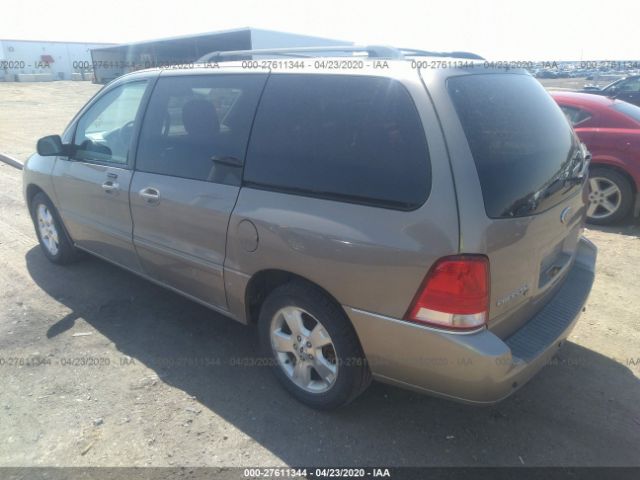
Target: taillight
[(454, 294)]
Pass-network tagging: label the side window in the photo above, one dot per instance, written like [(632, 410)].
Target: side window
[(350, 138), (104, 132), (630, 85), (198, 126), (575, 116)]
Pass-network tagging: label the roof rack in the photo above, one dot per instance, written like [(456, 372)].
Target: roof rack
[(372, 51), (412, 52)]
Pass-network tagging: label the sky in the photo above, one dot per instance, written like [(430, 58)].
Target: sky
[(542, 30)]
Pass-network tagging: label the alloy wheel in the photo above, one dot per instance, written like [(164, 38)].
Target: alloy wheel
[(303, 349), (604, 198), (47, 229)]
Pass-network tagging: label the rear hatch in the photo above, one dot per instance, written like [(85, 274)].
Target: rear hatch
[(519, 171)]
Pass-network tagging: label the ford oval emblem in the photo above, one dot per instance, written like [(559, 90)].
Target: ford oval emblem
[(564, 214)]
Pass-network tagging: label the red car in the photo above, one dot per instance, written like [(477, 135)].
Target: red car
[(611, 130)]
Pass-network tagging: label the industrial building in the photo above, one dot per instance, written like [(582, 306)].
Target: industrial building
[(39, 61), (111, 62)]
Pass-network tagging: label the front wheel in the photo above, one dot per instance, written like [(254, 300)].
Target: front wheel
[(610, 196), (314, 349), (52, 237)]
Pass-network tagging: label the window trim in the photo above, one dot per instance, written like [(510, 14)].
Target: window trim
[(128, 165), (332, 197), (337, 197)]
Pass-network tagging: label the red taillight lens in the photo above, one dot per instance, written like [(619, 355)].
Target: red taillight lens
[(454, 294)]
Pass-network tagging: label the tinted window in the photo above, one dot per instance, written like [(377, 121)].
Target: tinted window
[(198, 126), (629, 85), (575, 115), (522, 144), (105, 131), (349, 138)]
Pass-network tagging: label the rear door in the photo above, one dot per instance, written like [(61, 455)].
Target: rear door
[(188, 172), (92, 187), (347, 184), (515, 159)]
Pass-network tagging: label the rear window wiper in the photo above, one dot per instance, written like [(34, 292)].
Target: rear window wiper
[(579, 177)]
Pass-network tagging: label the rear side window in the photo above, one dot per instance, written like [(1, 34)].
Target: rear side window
[(576, 116), (348, 138), (521, 142), (629, 85), (197, 127)]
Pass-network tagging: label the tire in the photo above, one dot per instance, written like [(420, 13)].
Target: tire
[(343, 357), (52, 236), (599, 210)]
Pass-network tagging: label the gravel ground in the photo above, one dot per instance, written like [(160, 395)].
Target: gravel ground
[(120, 372)]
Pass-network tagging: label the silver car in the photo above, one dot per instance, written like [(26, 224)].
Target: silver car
[(419, 226)]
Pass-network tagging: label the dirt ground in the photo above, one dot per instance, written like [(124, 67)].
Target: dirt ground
[(101, 368)]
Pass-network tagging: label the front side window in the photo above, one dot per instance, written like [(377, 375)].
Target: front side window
[(197, 127), (347, 138), (104, 132)]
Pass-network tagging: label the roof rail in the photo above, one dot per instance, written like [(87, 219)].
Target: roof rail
[(412, 52), (304, 52), (372, 51)]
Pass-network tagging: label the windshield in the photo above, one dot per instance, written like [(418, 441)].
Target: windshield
[(522, 144)]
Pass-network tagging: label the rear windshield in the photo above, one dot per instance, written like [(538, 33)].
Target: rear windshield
[(522, 144), (628, 109)]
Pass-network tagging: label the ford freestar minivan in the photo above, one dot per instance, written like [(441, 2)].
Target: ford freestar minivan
[(373, 216)]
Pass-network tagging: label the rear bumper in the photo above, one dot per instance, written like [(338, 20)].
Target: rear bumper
[(474, 367)]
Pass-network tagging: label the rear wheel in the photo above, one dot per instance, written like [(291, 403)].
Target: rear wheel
[(315, 351), (53, 239), (610, 196)]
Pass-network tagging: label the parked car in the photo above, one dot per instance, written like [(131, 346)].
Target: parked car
[(626, 89), (547, 74), (611, 131), (421, 227)]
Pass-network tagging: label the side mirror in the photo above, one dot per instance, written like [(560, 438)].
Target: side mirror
[(51, 146)]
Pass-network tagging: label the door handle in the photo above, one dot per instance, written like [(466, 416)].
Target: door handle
[(110, 186), (151, 195)]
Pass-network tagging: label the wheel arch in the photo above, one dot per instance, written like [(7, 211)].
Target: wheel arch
[(31, 191), (263, 282)]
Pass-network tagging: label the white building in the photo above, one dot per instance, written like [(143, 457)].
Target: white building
[(35, 60)]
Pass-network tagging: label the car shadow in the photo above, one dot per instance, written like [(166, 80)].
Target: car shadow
[(580, 410)]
